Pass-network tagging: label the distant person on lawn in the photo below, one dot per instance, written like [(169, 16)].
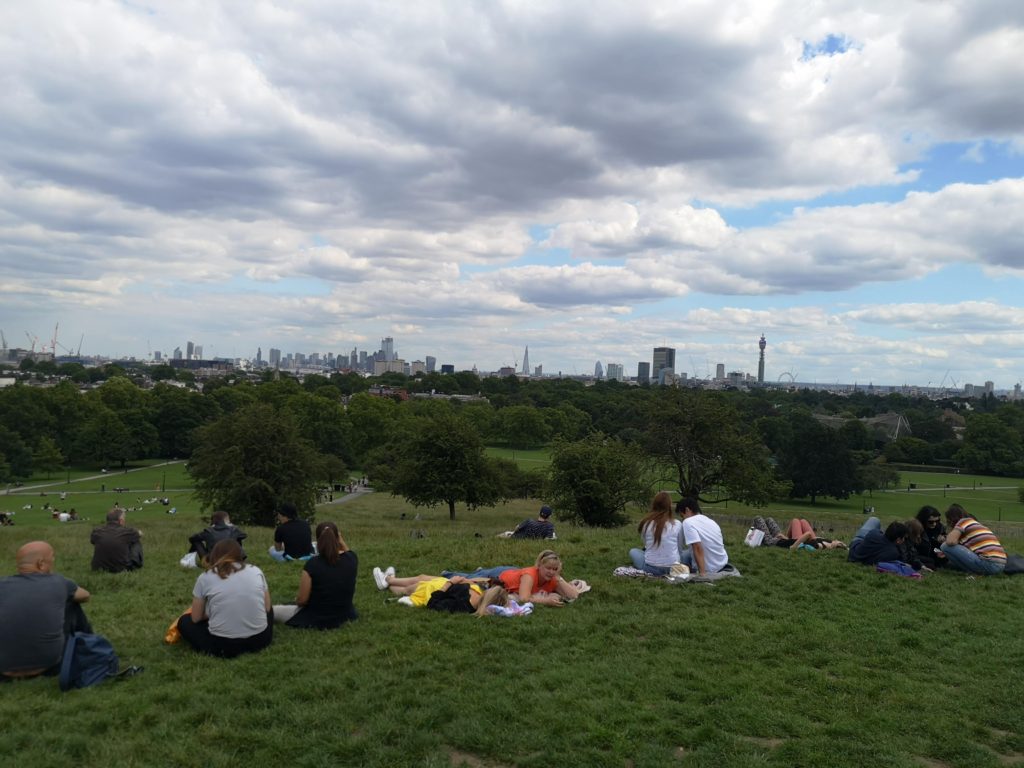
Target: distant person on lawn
[(539, 527), (220, 527), (292, 538), (971, 546), (116, 546), (326, 586), (39, 609), (231, 609), (869, 546), (704, 552)]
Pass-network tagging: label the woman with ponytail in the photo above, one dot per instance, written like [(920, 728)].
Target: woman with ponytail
[(230, 612), (326, 586)]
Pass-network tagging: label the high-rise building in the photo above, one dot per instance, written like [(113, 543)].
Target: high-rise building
[(538, 371), (720, 371), (190, 349), (526, 360), (158, 355), (387, 346), (363, 357), (259, 355), (598, 370), (431, 363), (275, 357), (447, 368), (760, 361), (664, 359), (989, 387), (417, 366), (198, 350), (643, 373), (177, 353), (614, 372)]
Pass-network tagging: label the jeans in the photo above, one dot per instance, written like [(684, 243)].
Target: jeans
[(871, 524), (281, 557), (481, 573), (638, 555), (962, 559)]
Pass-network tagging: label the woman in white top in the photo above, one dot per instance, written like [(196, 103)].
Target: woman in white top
[(230, 606), (660, 531)]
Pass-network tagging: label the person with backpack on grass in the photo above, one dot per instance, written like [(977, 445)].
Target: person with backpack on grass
[(870, 546), (220, 527), (231, 609), (971, 546), (326, 586), (39, 610)]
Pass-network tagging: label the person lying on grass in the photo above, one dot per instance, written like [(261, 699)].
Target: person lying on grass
[(799, 533), (541, 583), (326, 586), (457, 594), (870, 546), (230, 612)]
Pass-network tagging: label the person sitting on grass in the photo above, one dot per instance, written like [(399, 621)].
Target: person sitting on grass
[(704, 552), (292, 537), (457, 594), (933, 535), (116, 547), (231, 610), (39, 610), (541, 583), (539, 527), (326, 586), (661, 533), (971, 546), (869, 546), (220, 527)]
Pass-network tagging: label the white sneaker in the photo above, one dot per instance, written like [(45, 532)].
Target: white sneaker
[(380, 579), (406, 601), (389, 571)]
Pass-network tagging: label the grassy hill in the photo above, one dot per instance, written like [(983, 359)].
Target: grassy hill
[(805, 661)]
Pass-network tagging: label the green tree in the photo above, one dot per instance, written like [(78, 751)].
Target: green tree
[(709, 447), (592, 481), (991, 447), (247, 462), (47, 456), (17, 456), (816, 461), (523, 426), (104, 439), (441, 460)]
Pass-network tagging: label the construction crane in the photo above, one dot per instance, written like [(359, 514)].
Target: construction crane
[(3, 339), (53, 341), (32, 340), (78, 352)]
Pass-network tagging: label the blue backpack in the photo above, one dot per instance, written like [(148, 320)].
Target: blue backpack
[(88, 659)]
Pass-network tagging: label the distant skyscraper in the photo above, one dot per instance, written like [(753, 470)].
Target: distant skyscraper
[(177, 353), (387, 346), (643, 373), (190, 349), (447, 368), (158, 355), (526, 360), (275, 357), (614, 372), (259, 355), (198, 350), (538, 371), (760, 361), (431, 364), (664, 359), (598, 370), (720, 371)]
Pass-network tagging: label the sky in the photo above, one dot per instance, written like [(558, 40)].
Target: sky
[(589, 179)]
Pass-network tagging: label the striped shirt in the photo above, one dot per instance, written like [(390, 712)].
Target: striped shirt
[(980, 540)]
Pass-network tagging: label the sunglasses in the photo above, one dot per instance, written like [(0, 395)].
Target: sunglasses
[(933, 520)]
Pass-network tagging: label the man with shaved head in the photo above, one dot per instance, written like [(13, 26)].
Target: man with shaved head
[(38, 610)]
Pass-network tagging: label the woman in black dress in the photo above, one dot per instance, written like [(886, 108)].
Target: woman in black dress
[(326, 586)]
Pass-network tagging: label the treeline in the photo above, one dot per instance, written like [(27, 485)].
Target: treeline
[(752, 446)]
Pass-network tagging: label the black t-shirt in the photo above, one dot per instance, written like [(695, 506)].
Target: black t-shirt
[(296, 537), (330, 599), (455, 599)]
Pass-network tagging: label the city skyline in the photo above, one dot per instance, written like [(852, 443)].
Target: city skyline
[(590, 180)]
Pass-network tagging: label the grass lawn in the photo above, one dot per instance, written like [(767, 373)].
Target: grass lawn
[(538, 458), (805, 661)]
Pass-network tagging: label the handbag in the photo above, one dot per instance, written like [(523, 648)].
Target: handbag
[(754, 537)]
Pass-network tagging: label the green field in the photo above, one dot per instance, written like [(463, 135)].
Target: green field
[(805, 661), (527, 459)]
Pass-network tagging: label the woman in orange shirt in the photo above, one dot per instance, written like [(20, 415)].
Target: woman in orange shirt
[(541, 583)]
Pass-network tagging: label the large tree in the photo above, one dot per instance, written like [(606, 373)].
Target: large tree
[(816, 461), (249, 461), (440, 460), (702, 437), (593, 480)]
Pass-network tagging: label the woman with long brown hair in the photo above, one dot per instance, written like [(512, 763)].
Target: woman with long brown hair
[(326, 586), (660, 531), (230, 606)]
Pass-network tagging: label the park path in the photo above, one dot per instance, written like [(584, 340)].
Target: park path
[(101, 476), (359, 491)]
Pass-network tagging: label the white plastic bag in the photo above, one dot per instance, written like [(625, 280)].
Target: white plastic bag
[(754, 537), (189, 560)]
